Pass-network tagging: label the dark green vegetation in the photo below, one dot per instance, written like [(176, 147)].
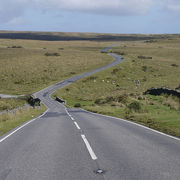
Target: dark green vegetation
[(119, 91)]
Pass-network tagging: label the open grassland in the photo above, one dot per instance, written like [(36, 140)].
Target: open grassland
[(9, 121), (27, 66), (119, 91)]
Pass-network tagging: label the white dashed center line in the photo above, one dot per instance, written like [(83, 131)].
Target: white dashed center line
[(77, 125), (91, 152), (88, 146)]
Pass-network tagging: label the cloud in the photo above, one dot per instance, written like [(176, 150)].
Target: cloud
[(15, 21), (171, 5), (116, 7), (11, 9), (15, 8)]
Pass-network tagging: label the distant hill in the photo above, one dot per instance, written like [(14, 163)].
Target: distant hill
[(55, 36)]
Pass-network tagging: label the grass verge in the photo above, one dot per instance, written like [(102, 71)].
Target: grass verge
[(9, 104), (9, 121), (118, 91)]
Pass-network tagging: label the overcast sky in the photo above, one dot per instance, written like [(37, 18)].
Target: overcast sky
[(103, 16)]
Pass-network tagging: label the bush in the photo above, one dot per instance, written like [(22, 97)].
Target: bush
[(144, 57), (115, 71), (52, 54), (109, 99), (174, 65), (119, 53), (77, 105), (122, 98), (144, 68), (135, 106), (15, 47)]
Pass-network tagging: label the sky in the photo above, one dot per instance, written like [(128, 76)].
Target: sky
[(97, 16)]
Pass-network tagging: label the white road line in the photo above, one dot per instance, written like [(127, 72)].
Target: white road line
[(91, 152), (1, 140), (77, 125), (130, 122), (68, 113)]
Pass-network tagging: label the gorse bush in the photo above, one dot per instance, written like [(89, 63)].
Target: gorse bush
[(134, 106), (77, 105)]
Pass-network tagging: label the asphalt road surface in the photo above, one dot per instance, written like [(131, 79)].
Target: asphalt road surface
[(73, 144)]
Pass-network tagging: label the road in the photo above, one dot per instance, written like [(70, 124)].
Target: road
[(74, 144)]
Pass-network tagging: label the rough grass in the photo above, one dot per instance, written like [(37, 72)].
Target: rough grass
[(27, 66), (114, 90), (9, 104), (9, 121), (26, 70)]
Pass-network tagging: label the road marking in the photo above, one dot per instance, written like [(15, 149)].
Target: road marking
[(69, 115), (1, 140), (91, 152), (67, 112), (130, 122), (77, 125)]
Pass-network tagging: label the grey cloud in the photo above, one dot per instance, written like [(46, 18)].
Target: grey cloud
[(117, 7), (171, 5), (10, 9), (13, 9)]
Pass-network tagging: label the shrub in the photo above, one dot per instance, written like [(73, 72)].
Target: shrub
[(15, 47), (144, 68), (150, 41), (97, 101), (77, 105), (52, 54), (135, 106), (174, 65), (119, 53), (144, 57), (109, 99), (115, 71), (122, 98)]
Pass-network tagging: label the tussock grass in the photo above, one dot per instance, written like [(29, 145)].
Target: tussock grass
[(9, 104), (119, 91), (9, 121)]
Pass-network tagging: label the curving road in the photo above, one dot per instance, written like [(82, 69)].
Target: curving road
[(73, 144)]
